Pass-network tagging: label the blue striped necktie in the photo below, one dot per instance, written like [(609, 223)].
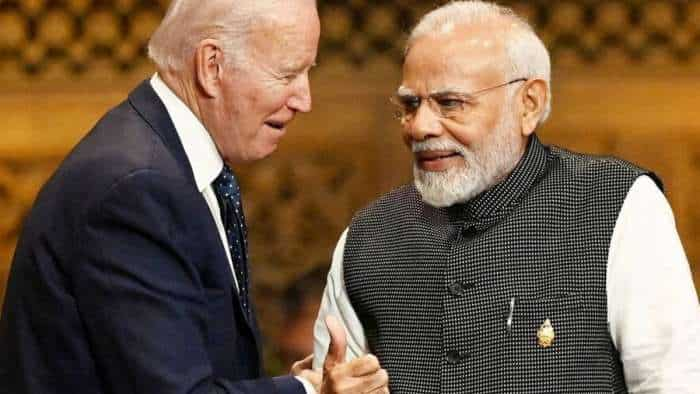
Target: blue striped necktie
[(228, 193)]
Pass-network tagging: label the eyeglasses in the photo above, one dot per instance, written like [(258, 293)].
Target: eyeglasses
[(447, 105)]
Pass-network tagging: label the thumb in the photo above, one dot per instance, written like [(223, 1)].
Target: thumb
[(302, 365), (337, 347)]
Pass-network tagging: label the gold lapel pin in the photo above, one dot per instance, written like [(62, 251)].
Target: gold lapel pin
[(545, 335)]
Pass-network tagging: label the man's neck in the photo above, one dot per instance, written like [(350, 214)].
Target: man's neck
[(183, 88)]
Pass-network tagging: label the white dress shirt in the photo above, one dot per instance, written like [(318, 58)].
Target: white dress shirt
[(205, 160), (653, 309)]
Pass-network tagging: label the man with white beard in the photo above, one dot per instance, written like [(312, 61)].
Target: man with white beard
[(509, 266)]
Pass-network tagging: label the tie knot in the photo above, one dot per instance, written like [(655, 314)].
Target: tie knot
[(226, 183)]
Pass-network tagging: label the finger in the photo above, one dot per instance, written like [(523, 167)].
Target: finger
[(336, 349), (376, 382), (364, 365), (300, 365), (315, 378), (307, 362), (358, 371), (378, 390)]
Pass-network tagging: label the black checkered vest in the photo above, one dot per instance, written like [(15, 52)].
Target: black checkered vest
[(433, 287)]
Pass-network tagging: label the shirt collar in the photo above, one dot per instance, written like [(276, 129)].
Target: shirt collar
[(200, 149), (496, 202)]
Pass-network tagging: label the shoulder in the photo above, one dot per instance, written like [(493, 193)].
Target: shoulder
[(583, 164), (401, 204), (598, 170), (400, 198), (121, 154), (121, 142)]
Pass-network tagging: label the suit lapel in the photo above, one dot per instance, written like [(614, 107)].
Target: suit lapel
[(147, 103)]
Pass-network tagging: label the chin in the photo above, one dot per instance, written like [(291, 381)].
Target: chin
[(266, 152), (445, 188)]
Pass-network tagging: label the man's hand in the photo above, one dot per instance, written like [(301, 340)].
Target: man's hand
[(303, 369), (362, 375)]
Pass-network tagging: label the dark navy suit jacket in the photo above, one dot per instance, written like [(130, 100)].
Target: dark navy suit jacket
[(119, 282)]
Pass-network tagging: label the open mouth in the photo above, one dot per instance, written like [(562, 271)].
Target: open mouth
[(275, 124)]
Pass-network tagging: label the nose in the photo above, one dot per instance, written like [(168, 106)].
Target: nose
[(300, 100), (424, 124)]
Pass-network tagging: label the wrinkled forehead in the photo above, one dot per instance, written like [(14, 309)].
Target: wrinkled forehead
[(456, 58)]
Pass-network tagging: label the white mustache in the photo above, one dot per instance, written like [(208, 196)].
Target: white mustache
[(428, 145)]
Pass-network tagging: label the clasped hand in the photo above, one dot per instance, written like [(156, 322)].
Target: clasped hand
[(361, 375)]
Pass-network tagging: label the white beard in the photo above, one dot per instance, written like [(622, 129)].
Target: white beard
[(485, 165)]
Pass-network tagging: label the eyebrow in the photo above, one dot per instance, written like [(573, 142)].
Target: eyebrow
[(404, 91), (447, 92), (297, 67)]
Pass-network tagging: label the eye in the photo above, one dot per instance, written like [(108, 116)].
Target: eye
[(410, 104), (450, 103)]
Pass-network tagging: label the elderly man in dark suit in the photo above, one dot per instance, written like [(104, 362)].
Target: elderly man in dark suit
[(131, 274)]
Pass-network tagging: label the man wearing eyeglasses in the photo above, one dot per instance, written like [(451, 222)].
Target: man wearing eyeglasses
[(509, 265)]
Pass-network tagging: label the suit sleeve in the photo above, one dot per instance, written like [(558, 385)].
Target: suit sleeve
[(141, 297)]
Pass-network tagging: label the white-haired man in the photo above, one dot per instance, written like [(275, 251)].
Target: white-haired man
[(510, 266), (131, 274)]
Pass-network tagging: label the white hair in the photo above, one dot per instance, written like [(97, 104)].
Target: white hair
[(188, 22), (526, 53)]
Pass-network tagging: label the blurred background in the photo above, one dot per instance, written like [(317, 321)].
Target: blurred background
[(626, 82)]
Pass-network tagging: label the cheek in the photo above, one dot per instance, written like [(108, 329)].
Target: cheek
[(271, 96), (479, 126), (244, 116), (245, 104), (465, 134), (253, 100), (278, 102), (406, 136)]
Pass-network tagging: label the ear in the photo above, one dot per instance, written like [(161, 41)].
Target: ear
[(534, 99), (209, 67)]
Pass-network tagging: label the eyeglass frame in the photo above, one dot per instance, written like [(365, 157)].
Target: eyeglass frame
[(462, 98)]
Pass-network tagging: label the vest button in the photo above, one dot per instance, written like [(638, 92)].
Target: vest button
[(456, 289), (455, 356), (468, 231)]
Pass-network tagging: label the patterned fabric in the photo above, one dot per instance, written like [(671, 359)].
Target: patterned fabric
[(433, 287), (228, 193)]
